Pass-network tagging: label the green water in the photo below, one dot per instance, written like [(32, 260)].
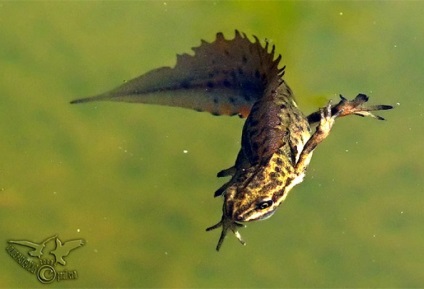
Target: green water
[(136, 182)]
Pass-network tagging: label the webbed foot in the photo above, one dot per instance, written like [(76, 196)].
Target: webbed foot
[(348, 107), (227, 224)]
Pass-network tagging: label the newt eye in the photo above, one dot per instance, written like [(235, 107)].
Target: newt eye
[(263, 205)]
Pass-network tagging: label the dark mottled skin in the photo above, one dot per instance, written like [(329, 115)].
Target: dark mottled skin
[(277, 146), (241, 77), (272, 139)]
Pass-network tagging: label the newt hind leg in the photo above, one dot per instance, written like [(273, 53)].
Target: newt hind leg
[(326, 118), (348, 107), (326, 122)]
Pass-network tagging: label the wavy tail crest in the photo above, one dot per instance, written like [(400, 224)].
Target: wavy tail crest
[(224, 77)]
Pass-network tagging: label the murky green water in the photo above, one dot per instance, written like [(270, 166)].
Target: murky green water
[(136, 182)]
